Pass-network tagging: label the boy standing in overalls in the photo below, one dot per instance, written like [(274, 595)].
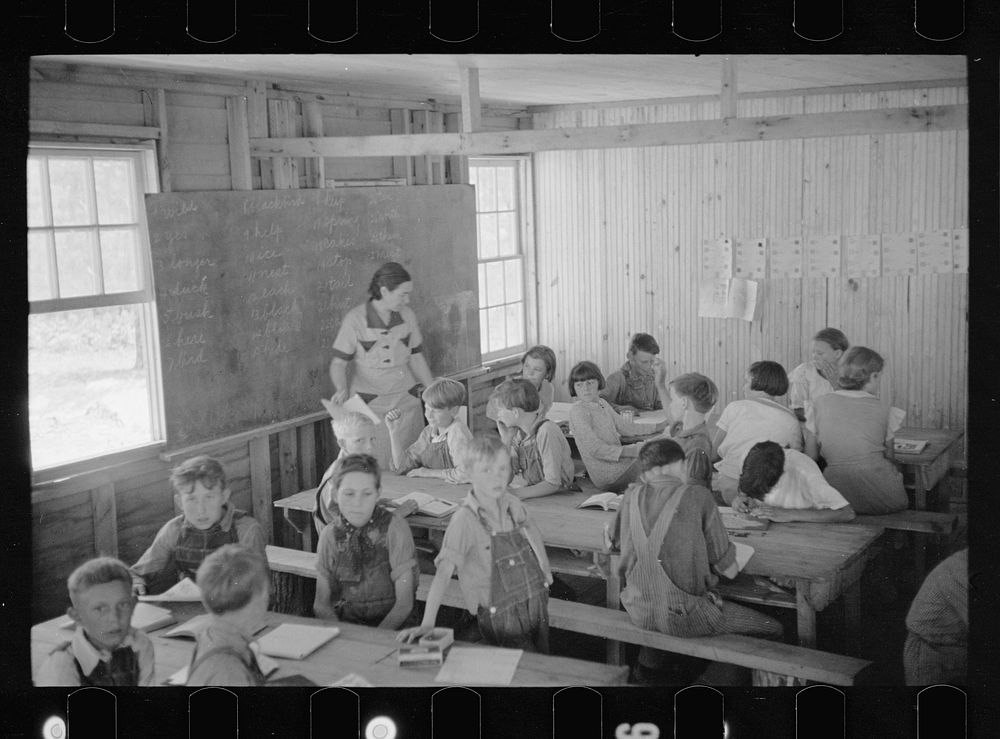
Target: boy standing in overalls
[(498, 553)]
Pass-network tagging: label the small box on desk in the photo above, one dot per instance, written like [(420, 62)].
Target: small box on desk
[(420, 655)]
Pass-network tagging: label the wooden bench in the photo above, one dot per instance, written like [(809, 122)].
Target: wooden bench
[(794, 664), (772, 662)]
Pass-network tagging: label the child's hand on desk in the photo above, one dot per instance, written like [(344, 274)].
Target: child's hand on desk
[(406, 508), (421, 472), (413, 633), (772, 514), (744, 503)]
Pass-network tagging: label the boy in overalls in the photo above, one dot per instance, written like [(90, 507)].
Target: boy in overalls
[(539, 452), (673, 544), (206, 523), (497, 551), (438, 449)]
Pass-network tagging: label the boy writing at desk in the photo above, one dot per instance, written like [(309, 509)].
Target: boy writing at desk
[(206, 523), (235, 588), (539, 452), (498, 553), (105, 649)]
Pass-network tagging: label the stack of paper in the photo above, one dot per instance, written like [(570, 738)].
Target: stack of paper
[(479, 666), (296, 641)]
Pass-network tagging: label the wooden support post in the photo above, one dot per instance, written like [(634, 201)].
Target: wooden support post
[(288, 454), (435, 124), (260, 484), (615, 651), (312, 125), (285, 170), (154, 114), (472, 114), (806, 616), (399, 123), (307, 455), (102, 502), (456, 168), (257, 122), (239, 142), (422, 172), (729, 95)]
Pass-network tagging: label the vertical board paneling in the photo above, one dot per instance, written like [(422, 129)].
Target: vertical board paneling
[(620, 233)]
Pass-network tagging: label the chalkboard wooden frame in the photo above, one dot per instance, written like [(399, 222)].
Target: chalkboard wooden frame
[(251, 288)]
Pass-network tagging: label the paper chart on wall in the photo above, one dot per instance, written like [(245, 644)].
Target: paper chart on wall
[(712, 296), (899, 254), (934, 252), (960, 249), (750, 259), (863, 256), (786, 258), (733, 298), (717, 259), (823, 256)]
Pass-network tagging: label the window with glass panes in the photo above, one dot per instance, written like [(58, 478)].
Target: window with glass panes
[(500, 231), (93, 386)]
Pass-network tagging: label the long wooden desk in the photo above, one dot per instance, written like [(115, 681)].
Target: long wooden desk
[(365, 651), (931, 465), (824, 560)]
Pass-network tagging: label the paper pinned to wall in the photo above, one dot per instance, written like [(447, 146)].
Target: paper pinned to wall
[(735, 298), (934, 252), (786, 258), (750, 259), (717, 259), (960, 249), (899, 254), (823, 256), (864, 253)]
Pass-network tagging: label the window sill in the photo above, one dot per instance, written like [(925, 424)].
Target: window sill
[(97, 467)]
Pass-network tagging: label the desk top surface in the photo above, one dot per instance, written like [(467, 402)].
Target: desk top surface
[(939, 442), (363, 650), (809, 551), (559, 412)]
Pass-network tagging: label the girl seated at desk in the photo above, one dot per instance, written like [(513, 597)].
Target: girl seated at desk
[(598, 429)]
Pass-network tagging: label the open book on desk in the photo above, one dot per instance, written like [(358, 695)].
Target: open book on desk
[(427, 504), (183, 591), (605, 501), (908, 446), (296, 641)]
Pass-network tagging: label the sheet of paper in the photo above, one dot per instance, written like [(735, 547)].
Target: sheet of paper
[(296, 641), (351, 680), (823, 256), (899, 255), (960, 249), (184, 591), (479, 666), (717, 259), (355, 404), (750, 259), (786, 258), (934, 252), (896, 417), (712, 295), (864, 256), (742, 300), (743, 554)]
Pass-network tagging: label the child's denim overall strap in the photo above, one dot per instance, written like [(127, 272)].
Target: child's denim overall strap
[(436, 456), (194, 545), (641, 389), (121, 670), (517, 616), (529, 458), (651, 598)]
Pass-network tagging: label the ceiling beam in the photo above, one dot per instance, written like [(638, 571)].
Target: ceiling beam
[(472, 114), (769, 128)]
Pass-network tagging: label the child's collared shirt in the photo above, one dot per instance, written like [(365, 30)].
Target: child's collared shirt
[(749, 421), (697, 446), (466, 545), (455, 437), (160, 555), (546, 446), (231, 666), (60, 668), (805, 384), (802, 485)]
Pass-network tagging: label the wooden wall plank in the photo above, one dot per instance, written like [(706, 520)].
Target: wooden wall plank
[(257, 121), (400, 123), (260, 481), (285, 170), (105, 521), (239, 142), (312, 125), (288, 456)]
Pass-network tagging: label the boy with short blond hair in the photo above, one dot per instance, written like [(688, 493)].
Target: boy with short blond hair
[(437, 451), (105, 649), (355, 434), (207, 522), (235, 588)]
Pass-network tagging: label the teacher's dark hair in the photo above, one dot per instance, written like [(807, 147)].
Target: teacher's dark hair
[(390, 276)]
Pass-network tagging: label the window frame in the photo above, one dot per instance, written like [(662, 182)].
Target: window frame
[(524, 200), (144, 156)]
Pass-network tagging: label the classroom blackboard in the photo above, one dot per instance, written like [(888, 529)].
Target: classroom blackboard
[(251, 288)]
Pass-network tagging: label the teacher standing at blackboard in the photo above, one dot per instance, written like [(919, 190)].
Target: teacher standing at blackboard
[(382, 340)]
